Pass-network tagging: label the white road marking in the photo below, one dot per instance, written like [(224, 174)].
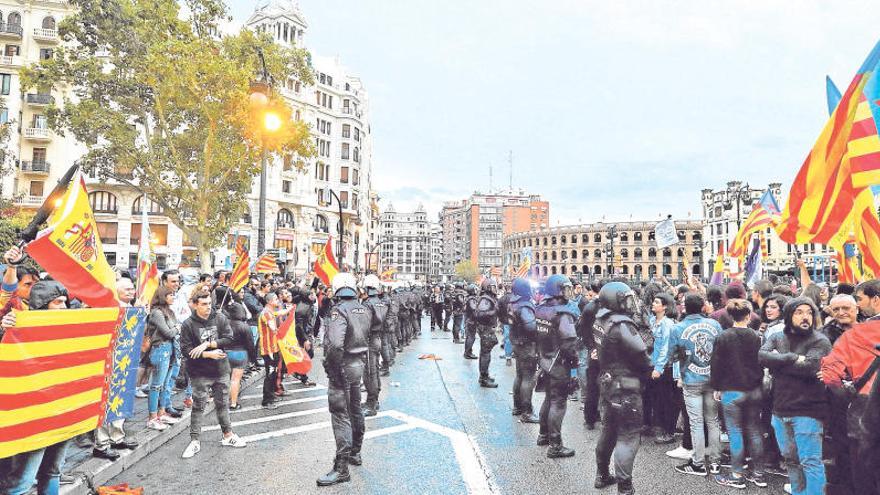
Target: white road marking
[(299, 429), (267, 419), (389, 430), (294, 391), (282, 403)]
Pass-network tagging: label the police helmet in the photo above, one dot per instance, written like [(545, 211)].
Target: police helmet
[(344, 285), (618, 297), (522, 289), (555, 285), (473, 289), (489, 285), (371, 284)]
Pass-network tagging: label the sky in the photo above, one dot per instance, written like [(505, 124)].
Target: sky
[(612, 110)]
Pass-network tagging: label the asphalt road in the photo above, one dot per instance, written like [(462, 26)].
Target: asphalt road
[(438, 433)]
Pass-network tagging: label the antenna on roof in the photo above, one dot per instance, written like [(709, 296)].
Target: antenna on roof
[(510, 162)]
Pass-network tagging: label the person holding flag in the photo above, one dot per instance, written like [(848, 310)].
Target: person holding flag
[(267, 327)]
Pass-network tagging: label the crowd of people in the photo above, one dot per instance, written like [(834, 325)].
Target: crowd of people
[(775, 379)]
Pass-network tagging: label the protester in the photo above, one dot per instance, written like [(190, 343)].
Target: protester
[(661, 387), (162, 330), (241, 349), (269, 322)]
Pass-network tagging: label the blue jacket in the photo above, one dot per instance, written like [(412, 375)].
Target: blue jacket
[(691, 343), (661, 332)]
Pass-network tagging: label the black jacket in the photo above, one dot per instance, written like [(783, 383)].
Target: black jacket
[(193, 332), (242, 338), (162, 327), (734, 363)]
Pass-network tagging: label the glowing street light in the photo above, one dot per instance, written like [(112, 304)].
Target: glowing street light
[(271, 121)]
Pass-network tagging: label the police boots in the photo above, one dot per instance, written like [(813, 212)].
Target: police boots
[(369, 408), (339, 474), (626, 488), (487, 382), (604, 479), (469, 355), (558, 450)]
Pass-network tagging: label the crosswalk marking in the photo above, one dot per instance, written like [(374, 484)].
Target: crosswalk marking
[(389, 430), (267, 419), (299, 429), (294, 391), (282, 403)]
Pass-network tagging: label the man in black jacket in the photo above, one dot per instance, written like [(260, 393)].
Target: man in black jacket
[(202, 339)]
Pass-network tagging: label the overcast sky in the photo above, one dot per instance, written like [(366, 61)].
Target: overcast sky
[(611, 108)]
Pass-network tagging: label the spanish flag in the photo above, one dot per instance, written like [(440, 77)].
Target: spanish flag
[(70, 249), (325, 266), (295, 357), (53, 366)]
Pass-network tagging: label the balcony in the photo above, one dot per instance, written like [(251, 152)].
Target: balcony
[(351, 111), (29, 201), (39, 99), (10, 30), (35, 167), (11, 61), (48, 35), (37, 134)]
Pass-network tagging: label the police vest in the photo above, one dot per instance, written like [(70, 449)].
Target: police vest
[(518, 332)]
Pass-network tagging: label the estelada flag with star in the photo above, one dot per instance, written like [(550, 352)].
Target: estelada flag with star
[(325, 266), (295, 357)]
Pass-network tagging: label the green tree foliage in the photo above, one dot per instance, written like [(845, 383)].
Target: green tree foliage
[(163, 104), (467, 270)]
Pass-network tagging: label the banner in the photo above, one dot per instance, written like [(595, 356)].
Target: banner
[(126, 356), (665, 234)]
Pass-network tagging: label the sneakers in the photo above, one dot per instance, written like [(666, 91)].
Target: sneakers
[(664, 438), (140, 394), (270, 406), (725, 438), (192, 449), (188, 402), (714, 468), (757, 479), (787, 488), (680, 453), (234, 441), (776, 470), (168, 420), (692, 469), (157, 424), (730, 480)]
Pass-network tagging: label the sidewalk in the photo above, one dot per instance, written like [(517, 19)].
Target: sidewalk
[(92, 473)]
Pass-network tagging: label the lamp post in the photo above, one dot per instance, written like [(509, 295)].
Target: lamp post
[(332, 195), (261, 90), (735, 193)]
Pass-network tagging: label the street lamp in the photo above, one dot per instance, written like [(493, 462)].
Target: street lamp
[(736, 192), (332, 195), (261, 90)]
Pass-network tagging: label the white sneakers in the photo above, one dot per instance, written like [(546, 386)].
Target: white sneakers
[(786, 488), (192, 449), (157, 424), (168, 420), (234, 441), (680, 453)]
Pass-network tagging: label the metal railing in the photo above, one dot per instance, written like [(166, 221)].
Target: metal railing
[(15, 29), (41, 166), (40, 99)]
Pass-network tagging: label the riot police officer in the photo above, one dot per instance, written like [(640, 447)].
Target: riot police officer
[(437, 300), (624, 365), (523, 334), (459, 298), (378, 312), (557, 345), (345, 348), (486, 318), (470, 325), (389, 343), (403, 316), (448, 296)]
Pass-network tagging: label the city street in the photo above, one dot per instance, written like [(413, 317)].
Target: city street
[(437, 432)]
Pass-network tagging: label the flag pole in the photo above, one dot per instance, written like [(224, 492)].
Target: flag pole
[(29, 233)]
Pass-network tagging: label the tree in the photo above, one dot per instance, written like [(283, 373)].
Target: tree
[(467, 270), (163, 105)]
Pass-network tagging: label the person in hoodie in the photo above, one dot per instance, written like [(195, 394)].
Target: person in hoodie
[(692, 341), (844, 370), (800, 404), (241, 350), (203, 338)]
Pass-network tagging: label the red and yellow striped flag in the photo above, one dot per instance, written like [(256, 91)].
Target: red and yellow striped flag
[(242, 270), (266, 263), (757, 220), (325, 266), (53, 366)]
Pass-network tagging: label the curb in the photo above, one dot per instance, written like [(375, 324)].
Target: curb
[(97, 472)]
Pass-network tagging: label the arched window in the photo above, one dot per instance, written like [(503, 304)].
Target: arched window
[(637, 237), (667, 269), (652, 270), (696, 270), (697, 236), (564, 239), (585, 270), (48, 22), (625, 270), (553, 240), (624, 253), (563, 270), (14, 19), (597, 237), (574, 239), (638, 271), (530, 243), (103, 202), (545, 241), (597, 270), (637, 253), (652, 253), (624, 237), (597, 254), (563, 255), (574, 254), (553, 256), (544, 271), (681, 235), (651, 235), (680, 253), (585, 254), (246, 216), (152, 209), (285, 219), (667, 253), (553, 270), (585, 238), (321, 224), (545, 255)]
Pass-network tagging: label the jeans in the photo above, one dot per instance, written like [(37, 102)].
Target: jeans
[(702, 409), (173, 372), (800, 441), (270, 362), (160, 358), (742, 411), (43, 465), (508, 346), (220, 390)]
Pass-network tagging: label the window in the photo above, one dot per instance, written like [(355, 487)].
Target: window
[(288, 163), (246, 216), (285, 219), (153, 208), (356, 155), (14, 19), (158, 233), (48, 23), (45, 53), (12, 50), (321, 224), (343, 175), (343, 199), (285, 186), (5, 83), (355, 180), (346, 131), (40, 122), (345, 150), (286, 244), (354, 201), (39, 155), (597, 237), (102, 202), (36, 188), (4, 115), (357, 134)]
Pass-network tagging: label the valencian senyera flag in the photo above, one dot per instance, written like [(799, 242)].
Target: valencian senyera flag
[(54, 366), (147, 270), (295, 357), (844, 162), (70, 249), (242, 271), (325, 266), (760, 218), (266, 263), (525, 265), (125, 356)]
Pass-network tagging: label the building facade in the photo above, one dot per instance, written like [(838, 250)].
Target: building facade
[(473, 229), (724, 210), (408, 244), (586, 251), (301, 215)]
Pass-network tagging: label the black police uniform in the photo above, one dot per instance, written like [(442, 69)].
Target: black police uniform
[(470, 325), (557, 347), (459, 298), (624, 365), (345, 348), (486, 318), (378, 311), (523, 336)]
